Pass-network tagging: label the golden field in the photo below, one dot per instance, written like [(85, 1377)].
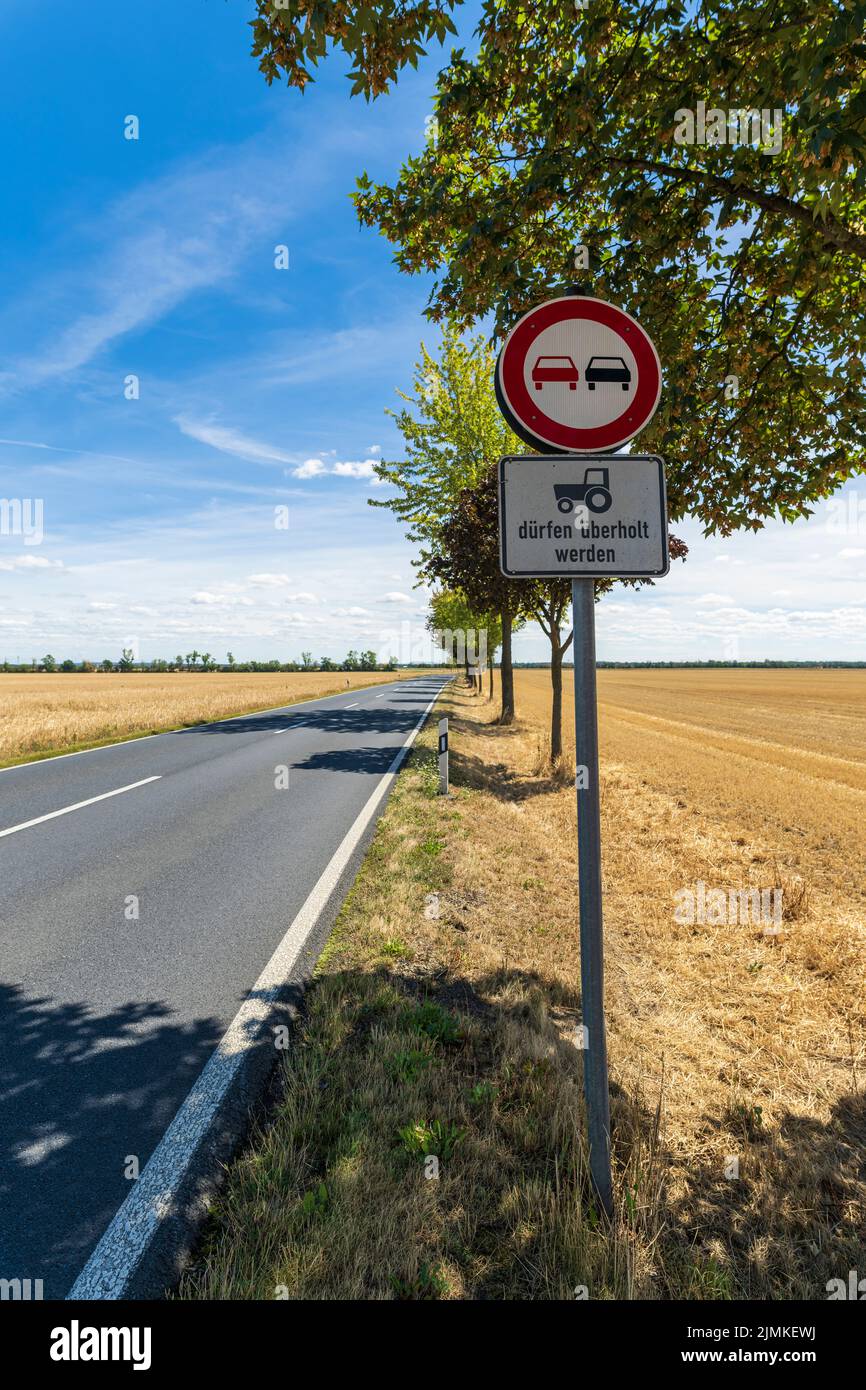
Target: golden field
[(753, 1043), (42, 713)]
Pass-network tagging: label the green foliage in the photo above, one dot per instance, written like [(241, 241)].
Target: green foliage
[(427, 1286), (395, 949), (451, 615), (408, 1064), (453, 432), (434, 1022), (316, 1202), (438, 1139), (558, 130), (482, 1093)]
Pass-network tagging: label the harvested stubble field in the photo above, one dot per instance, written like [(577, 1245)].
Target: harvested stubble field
[(753, 1041), (737, 1057), (42, 713)]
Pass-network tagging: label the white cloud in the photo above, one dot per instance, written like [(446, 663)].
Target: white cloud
[(362, 469), (310, 469), (851, 552), (31, 562), (270, 581), (396, 597), (230, 441)]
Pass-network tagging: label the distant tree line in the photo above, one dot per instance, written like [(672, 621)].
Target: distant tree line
[(204, 661), (767, 662)]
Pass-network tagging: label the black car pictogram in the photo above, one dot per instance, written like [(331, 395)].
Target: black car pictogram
[(607, 369)]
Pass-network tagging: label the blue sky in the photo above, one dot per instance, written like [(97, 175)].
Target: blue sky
[(259, 387)]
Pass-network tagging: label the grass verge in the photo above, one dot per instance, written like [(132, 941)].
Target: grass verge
[(427, 1142)]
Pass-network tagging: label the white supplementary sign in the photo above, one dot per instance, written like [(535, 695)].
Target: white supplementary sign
[(579, 515)]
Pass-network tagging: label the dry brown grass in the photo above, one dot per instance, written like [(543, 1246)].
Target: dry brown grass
[(42, 713)]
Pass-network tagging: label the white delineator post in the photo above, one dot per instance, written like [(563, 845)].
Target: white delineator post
[(595, 1082), (443, 757)]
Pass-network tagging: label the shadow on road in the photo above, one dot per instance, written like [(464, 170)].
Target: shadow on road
[(384, 720), (75, 1087)]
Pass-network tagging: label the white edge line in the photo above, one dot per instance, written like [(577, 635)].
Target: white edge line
[(77, 805), (124, 1244), (188, 728)]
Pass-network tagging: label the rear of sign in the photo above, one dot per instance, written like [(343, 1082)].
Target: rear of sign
[(583, 515)]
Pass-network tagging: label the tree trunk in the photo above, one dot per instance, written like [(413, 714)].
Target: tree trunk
[(506, 671), (490, 677), (556, 706)]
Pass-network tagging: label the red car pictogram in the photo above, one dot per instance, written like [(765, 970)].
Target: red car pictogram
[(555, 369)]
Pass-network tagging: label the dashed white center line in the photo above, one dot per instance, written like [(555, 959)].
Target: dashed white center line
[(354, 706), (76, 806)]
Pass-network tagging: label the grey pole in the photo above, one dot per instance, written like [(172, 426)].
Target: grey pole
[(595, 1080)]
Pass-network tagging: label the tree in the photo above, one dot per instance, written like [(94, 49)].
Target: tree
[(178, 661), (453, 432), (326, 664), (67, 665), (127, 660), (230, 660), (307, 661), (740, 246), (462, 633), (368, 661), (49, 663), (107, 665), (469, 561)]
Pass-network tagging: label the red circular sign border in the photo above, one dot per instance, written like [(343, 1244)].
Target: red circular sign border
[(637, 413)]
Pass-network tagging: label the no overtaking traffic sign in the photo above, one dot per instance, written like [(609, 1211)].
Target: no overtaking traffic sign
[(578, 375)]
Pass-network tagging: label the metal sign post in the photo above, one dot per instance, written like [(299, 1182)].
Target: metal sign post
[(595, 1081), (576, 379)]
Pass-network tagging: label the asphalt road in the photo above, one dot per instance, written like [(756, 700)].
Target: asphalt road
[(107, 1018)]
